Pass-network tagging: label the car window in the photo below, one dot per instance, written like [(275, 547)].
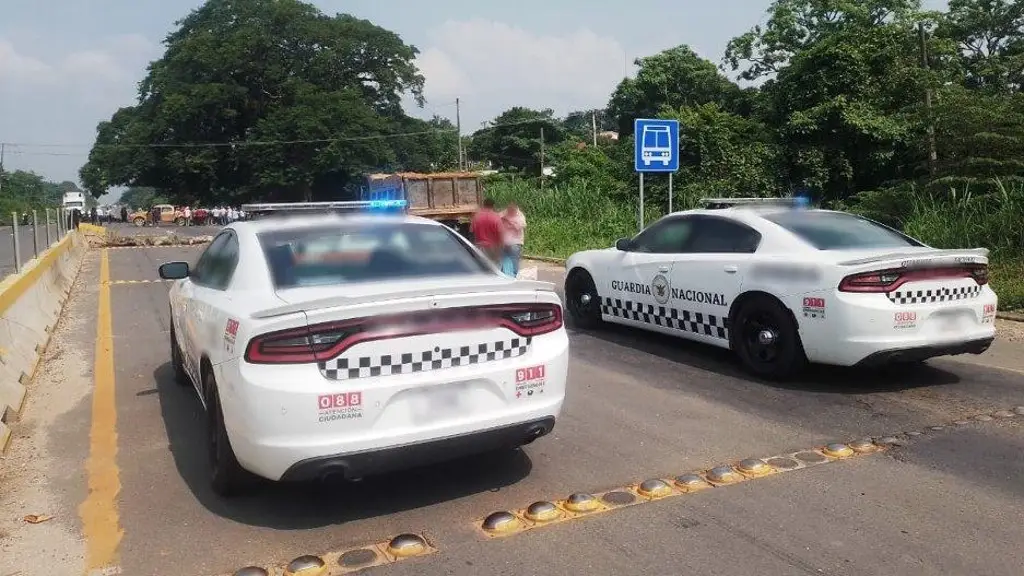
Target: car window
[(840, 231), (667, 236), (362, 252), (720, 236), (204, 269), (222, 264)]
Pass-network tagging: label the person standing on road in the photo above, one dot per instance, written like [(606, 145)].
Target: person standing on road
[(487, 231), (188, 215), (515, 230), (124, 214), (92, 216)]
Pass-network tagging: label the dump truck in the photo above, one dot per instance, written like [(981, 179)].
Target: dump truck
[(448, 197)]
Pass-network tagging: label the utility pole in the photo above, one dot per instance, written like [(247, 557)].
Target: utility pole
[(593, 125), (2, 166), (542, 177), (458, 130), (932, 154)]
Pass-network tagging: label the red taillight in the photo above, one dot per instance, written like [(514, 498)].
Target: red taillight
[(889, 280), (534, 320), (321, 342)]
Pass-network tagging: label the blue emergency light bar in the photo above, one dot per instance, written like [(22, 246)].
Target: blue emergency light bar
[(286, 208)]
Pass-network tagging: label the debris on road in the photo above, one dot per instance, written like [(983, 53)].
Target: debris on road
[(37, 518)]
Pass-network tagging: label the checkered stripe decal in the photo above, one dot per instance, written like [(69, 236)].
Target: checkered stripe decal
[(685, 320), (433, 359), (934, 295)]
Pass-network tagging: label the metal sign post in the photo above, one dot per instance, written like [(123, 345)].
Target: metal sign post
[(656, 149)]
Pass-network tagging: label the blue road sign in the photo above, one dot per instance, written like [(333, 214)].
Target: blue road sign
[(657, 145)]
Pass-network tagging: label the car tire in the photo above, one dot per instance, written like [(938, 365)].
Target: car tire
[(177, 362), (227, 477), (582, 300), (139, 222), (777, 355)]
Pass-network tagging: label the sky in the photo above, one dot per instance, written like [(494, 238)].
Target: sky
[(66, 65)]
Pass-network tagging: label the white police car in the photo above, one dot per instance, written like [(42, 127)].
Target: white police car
[(781, 285), (353, 345)]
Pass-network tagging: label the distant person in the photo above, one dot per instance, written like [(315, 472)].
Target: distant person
[(124, 214), (154, 214), (92, 216), (76, 218), (515, 231), (487, 231), (188, 215)]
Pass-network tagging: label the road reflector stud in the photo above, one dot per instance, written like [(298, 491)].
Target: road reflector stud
[(914, 434), (581, 502), (543, 511), (307, 565), (691, 483), (723, 475), (962, 422), (1019, 410), (1003, 414), (983, 418), (888, 441), (783, 463), (810, 457), (405, 545), (499, 522), (251, 571), (754, 467), (837, 450), (654, 488), (357, 558), (863, 446), (618, 498)]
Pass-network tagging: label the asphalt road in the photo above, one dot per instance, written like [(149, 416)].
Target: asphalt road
[(26, 245), (948, 501)]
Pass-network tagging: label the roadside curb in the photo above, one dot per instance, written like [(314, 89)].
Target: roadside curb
[(551, 260), (1011, 316), (31, 304)]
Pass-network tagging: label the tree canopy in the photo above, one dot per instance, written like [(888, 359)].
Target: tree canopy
[(264, 98), (275, 100)]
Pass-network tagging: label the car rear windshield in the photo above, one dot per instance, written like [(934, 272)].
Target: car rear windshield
[(840, 231), (366, 252)]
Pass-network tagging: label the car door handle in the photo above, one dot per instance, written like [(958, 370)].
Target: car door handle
[(663, 269), (731, 269)]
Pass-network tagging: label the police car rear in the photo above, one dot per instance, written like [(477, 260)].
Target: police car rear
[(888, 297), (393, 343)]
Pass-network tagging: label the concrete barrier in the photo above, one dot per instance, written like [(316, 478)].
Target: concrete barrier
[(30, 305)]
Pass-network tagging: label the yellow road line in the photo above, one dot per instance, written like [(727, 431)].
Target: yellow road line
[(101, 524), (118, 282)]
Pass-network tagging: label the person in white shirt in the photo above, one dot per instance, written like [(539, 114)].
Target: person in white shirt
[(188, 216), (515, 232)]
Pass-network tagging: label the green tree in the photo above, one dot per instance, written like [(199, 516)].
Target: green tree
[(987, 34), (141, 197), (672, 79), (512, 140), (288, 103)]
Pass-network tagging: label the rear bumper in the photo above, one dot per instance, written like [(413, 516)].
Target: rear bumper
[(919, 353), (413, 455)]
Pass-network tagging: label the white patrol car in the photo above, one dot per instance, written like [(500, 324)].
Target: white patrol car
[(780, 285), (359, 344)]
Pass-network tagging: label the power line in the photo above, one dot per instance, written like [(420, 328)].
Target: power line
[(14, 146)]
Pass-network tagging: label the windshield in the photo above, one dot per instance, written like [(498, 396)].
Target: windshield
[(840, 231), (73, 204), (361, 253)]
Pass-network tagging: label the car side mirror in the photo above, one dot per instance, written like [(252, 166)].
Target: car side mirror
[(624, 244), (174, 270)]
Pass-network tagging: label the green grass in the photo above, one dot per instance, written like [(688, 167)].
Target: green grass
[(566, 219)]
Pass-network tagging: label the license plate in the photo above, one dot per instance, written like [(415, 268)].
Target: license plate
[(439, 403)]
